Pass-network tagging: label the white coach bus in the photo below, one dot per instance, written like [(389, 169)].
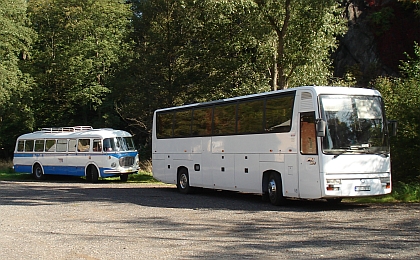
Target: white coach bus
[(76, 151), (305, 142)]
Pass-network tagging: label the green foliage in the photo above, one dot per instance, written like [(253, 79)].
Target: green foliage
[(304, 36), (406, 192), (15, 85), (382, 19), (79, 49), (192, 51), (402, 100)]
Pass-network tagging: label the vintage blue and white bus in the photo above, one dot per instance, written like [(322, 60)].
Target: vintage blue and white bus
[(76, 151), (306, 142)]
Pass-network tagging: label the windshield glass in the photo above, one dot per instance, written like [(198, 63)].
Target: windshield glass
[(119, 144), (355, 124), (125, 144)]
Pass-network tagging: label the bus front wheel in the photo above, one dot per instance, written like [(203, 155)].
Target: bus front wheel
[(275, 190), (183, 183), (92, 174), (38, 172), (124, 177)]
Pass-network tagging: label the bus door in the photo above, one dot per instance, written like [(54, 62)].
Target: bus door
[(309, 178)]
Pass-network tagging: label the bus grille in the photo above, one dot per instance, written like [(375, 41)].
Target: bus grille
[(127, 161)]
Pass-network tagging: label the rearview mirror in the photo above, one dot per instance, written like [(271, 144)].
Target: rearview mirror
[(320, 127)]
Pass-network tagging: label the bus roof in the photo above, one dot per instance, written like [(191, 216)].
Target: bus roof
[(75, 132), (318, 90)]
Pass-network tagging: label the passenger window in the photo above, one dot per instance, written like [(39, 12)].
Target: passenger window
[(164, 125), (21, 146), (97, 146), (201, 124), (29, 146), (224, 120), (250, 116), (61, 145), (278, 114), (182, 123), (72, 145), (83, 145), (50, 145), (39, 145), (109, 144)]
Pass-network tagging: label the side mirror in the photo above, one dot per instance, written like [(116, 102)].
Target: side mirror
[(320, 127), (392, 127)]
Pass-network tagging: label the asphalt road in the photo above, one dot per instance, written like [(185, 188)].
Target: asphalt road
[(77, 220)]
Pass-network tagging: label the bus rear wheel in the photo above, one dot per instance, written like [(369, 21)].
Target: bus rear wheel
[(38, 172), (183, 183), (275, 190)]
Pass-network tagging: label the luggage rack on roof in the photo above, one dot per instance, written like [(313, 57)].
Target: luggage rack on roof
[(66, 129)]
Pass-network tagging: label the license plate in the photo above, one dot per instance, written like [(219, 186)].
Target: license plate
[(362, 188)]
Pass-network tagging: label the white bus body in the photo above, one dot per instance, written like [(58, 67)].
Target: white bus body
[(305, 142), (76, 151)]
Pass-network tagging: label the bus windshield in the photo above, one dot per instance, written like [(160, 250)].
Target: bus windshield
[(119, 144), (355, 124)]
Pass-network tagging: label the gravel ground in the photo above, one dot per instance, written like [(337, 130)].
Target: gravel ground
[(77, 220)]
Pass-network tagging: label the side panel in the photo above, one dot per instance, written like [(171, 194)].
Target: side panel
[(247, 173), (224, 171)]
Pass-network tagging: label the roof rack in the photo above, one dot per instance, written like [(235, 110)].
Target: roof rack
[(66, 129)]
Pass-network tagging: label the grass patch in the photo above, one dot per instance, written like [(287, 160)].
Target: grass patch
[(401, 192)]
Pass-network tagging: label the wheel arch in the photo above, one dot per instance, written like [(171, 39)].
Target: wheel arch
[(90, 165), (265, 176), (37, 163), (179, 169)]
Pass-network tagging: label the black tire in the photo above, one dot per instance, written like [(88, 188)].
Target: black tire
[(183, 182), (38, 172), (275, 190), (92, 174), (124, 177)]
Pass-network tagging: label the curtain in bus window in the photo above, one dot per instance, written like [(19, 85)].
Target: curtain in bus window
[(201, 123), (224, 120), (182, 123), (250, 116), (307, 133), (29, 145), (164, 125), (278, 114), (83, 145), (39, 145)]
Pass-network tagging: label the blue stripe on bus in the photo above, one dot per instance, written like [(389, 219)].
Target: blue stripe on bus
[(116, 155), (62, 170)]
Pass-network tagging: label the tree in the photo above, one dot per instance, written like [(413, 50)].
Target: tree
[(193, 51), (15, 43), (78, 51), (304, 36), (189, 51), (402, 100)]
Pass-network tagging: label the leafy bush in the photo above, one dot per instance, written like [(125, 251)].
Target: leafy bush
[(406, 192), (402, 103)]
